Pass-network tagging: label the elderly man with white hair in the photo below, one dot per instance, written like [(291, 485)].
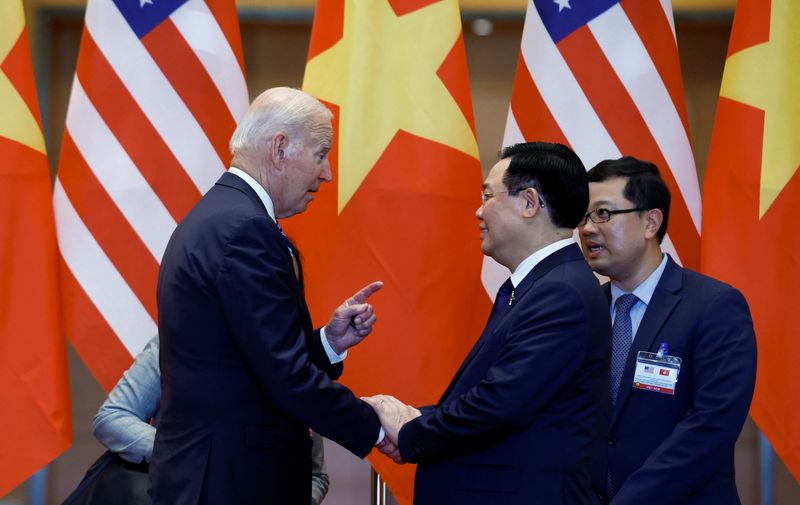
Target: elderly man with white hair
[(244, 374)]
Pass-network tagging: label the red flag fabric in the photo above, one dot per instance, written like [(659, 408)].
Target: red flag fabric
[(752, 200), (34, 397), (158, 90), (401, 208), (604, 78)]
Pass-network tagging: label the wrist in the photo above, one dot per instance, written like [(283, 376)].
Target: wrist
[(331, 349)]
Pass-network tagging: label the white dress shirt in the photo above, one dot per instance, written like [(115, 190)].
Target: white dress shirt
[(524, 268)]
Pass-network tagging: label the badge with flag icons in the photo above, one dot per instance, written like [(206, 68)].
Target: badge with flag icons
[(656, 372)]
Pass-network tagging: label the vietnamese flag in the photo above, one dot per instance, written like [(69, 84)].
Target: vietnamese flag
[(402, 205), (752, 203), (34, 396)]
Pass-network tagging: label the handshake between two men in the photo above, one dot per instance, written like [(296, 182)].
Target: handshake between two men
[(393, 414)]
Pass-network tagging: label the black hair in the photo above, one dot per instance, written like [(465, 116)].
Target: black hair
[(645, 187), (556, 172)]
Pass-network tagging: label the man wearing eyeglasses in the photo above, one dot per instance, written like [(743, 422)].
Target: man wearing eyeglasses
[(516, 424), (683, 352)]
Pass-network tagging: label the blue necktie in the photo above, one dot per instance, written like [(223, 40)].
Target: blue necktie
[(622, 337), (504, 294), (285, 239)]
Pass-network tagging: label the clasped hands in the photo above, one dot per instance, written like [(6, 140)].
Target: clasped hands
[(393, 415)]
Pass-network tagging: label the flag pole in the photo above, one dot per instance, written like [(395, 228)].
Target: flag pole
[(377, 489)]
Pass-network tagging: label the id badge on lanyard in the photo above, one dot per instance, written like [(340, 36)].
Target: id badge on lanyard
[(657, 372)]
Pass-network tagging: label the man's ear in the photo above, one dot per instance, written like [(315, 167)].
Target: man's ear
[(652, 223), (277, 149), (530, 197)]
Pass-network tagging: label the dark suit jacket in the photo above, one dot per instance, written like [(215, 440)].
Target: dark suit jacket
[(517, 422), (676, 450), (243, 373)]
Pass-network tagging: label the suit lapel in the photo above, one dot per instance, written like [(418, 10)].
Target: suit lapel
[(569, 253), (665, 298), (491, 324), (235, 182)]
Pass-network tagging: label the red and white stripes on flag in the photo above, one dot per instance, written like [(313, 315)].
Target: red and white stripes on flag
[(158, 90), (604, 78)]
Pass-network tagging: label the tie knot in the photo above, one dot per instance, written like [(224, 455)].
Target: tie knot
[(626, 302), (505, 288), (504, 293)]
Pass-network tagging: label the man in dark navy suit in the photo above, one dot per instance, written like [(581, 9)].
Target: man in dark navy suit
[(517, 422), (684, 353), (244, 375)]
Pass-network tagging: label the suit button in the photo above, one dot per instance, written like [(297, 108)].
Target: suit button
[(612, 440)]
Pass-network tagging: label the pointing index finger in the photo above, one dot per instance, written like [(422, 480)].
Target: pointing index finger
[(367, 291)]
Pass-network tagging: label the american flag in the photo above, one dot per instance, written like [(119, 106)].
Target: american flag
[(603, 77), (158, 89)]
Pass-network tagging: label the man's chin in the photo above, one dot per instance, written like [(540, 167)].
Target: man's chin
[(297, 209), (303, 206), (598, 265)]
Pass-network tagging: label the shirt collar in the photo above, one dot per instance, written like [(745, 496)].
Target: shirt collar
[(258, 188), (645, 290), (534, 259)]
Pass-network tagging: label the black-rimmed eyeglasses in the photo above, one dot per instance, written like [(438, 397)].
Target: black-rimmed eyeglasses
[(603, 215)]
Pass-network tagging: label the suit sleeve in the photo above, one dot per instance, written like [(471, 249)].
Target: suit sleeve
[(319, 357), (723, 375), (259, 302), (543, 349)]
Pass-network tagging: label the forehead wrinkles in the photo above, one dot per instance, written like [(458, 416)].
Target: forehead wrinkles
[(320, 132)]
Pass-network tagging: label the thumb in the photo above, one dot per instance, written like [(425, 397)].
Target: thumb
[(351, 311)]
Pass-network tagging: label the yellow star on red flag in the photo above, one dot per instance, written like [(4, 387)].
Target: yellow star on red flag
[(767, 76), (388, 59), (16, 119)]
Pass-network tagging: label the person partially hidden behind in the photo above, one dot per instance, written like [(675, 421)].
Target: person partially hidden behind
[(517, 422), (244, 376), (684, 352)]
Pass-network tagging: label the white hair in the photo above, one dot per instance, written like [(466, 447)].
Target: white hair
[(276, 109)]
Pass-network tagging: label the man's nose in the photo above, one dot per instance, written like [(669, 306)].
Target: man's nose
[(587, 228), (326, 175)]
